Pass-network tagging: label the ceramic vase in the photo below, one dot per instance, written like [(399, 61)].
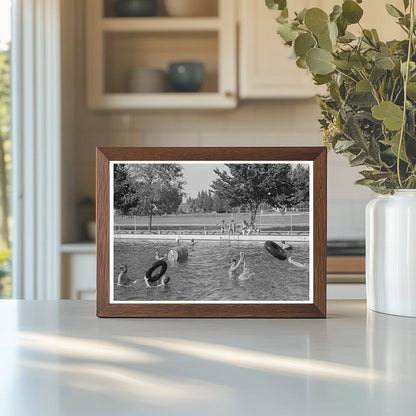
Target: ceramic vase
[(391, 253)]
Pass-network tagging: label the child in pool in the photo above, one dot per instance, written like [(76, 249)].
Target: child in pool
[(163, 281), (237, 267), (123, 279)]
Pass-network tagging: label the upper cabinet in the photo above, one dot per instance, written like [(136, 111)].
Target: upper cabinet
[(128, 58), (161, 61), (265, 68)]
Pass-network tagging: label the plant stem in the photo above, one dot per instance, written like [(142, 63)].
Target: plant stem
[(406, 80)]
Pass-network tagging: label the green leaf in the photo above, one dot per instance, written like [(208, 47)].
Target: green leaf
[(342, 25), (343, 145), (336, 12), (321, 79), (353, 131), (303, 43), (363, 86), (325, 42), (358, 61), (394, 143), (316, 20), (351, 11), (301, 15), (319, 61), (411, 90), (287, 33), (374, 175), (393, 11), (384, 62), (388, 112), (276, 4), (358, 160), (406, 4), (375, 35), (347, 37), (344, 65), (301, 63)]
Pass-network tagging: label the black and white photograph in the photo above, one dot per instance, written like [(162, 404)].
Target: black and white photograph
[(211, 232)]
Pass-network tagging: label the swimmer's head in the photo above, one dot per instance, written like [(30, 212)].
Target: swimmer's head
[(123, 268), (233, 260), (165, 280)]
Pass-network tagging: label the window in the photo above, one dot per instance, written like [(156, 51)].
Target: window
[(5, 147)]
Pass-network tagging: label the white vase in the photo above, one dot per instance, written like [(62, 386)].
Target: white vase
[(391, 253)]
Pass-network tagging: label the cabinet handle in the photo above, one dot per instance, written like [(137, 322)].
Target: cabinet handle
[(229, 94)]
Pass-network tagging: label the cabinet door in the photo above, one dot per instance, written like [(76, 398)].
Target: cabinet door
[(265, 68), (78, 276)]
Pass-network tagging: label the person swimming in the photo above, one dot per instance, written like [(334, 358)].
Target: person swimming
[(163, 281), (297, 264), (123, 279), (237, 266), (238, 269), (159, 256)]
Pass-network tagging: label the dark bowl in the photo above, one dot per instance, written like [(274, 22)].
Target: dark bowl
[(186, 76), (135, 8)]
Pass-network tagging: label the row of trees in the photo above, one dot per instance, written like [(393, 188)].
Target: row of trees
[(157, 189), (205, 201)]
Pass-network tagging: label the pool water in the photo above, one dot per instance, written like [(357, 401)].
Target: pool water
[(204, 276)]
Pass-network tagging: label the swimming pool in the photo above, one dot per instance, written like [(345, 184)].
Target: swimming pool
[(204, 276)]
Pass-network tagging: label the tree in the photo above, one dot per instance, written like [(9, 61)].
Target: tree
[(300, 180), (4, 142), (158, 187), (253, 184), (125, 196)]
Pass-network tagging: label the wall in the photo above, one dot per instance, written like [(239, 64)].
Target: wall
[(255, 123)]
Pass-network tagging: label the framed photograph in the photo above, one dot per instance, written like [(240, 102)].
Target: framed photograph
[(211, 232)]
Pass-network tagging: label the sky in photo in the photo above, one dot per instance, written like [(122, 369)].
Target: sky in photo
[(199, 176)]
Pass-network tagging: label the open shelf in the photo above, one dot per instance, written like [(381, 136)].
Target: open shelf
[(119, 45), (127, 51)]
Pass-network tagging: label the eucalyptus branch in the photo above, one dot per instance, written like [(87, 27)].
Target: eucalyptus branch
[(346, 75), (406, 80)]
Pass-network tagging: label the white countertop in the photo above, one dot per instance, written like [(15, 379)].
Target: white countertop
[(57, 358)]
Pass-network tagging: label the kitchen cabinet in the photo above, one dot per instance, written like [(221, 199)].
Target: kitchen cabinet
[(265, 70), (118, 45), (78, 262)]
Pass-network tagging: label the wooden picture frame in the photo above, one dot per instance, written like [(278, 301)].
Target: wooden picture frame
[(112, 299)]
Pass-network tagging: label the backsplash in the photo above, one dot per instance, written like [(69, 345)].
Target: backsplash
[(287, 123)]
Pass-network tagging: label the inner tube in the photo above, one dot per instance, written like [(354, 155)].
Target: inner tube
[(179, 254), (275, 250), (154, 278)]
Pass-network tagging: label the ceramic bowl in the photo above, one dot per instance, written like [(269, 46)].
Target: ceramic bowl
[(186, 76), (135, 8)]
